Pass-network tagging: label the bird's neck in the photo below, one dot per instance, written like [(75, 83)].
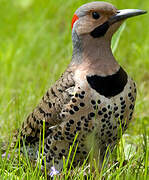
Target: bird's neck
[(94, 54)]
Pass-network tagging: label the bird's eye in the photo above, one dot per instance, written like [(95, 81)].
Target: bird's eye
[(95, 15)]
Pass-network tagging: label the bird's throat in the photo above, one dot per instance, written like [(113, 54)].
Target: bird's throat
[(94, 55), (98, 55)]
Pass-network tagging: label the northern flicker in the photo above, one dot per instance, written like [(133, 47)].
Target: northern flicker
[(93, 97)]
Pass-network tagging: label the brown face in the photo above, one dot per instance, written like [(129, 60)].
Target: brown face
[(100, 18), (93, 19)]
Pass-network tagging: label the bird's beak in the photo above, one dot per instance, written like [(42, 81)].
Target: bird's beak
[(124, 14)]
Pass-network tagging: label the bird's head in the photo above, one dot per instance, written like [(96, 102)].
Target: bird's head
[(99, 19)]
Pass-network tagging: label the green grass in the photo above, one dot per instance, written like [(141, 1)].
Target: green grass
[(35, 48)]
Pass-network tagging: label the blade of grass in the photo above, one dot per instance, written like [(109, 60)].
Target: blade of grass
[(116, 37)]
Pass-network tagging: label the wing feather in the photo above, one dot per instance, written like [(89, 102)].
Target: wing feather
[(47, 110)]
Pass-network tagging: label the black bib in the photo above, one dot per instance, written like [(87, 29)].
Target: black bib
[(108, 86)]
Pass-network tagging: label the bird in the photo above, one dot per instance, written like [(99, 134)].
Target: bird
[(92, 98)]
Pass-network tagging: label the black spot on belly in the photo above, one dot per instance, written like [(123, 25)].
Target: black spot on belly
[(108, 86)]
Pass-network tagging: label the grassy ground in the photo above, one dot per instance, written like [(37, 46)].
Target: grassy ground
[(35, 48)]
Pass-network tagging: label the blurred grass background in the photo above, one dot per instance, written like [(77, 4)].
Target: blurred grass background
[(35, 48)]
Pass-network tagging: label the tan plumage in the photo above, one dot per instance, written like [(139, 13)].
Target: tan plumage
[(93, 97)]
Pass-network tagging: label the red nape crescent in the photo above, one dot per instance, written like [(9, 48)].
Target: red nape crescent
[(74, 19)]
